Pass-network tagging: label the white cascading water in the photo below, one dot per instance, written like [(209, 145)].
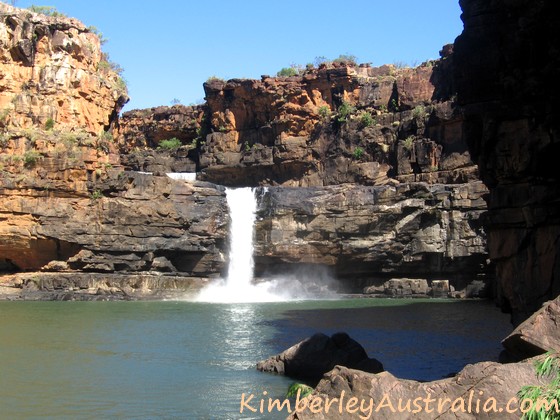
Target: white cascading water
[(238, 286), (243, 207), (183, 176)]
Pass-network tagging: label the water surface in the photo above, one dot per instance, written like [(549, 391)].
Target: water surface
[(143, 360)]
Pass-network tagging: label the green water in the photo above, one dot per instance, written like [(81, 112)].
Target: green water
[(143, 360)]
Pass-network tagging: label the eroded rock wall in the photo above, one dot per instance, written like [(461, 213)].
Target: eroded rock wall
[(339, 123), (53, 68), (507, 66), (137, 223), (367, 234), (66, 204)]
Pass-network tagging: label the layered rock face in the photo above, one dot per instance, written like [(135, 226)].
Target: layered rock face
[(53, 69), (141, 131), (390, 132), (507, 66), (366, 234), (339, 123), (146, 224), (66, 204)]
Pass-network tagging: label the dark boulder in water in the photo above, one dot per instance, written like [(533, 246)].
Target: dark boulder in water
[(313, 357)]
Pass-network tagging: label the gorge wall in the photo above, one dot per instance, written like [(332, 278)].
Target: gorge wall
[(367, 171), (507, 65), (368, 234), (372, 177), (339, 123), (66, 204), (54, 69)]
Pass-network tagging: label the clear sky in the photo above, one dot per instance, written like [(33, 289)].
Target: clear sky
[(169, 48)]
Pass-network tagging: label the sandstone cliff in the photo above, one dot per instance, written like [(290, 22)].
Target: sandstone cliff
[(366, 234), (339, 123), (507, 66), (66, 205), (53, 69), (395, 134)]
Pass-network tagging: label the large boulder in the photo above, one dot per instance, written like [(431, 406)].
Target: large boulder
[(318, 354), (538, 334), (401, 288), (479, 391)]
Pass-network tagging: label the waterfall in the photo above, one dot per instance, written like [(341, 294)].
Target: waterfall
[(238, 286), (183, 176), (242, 205)]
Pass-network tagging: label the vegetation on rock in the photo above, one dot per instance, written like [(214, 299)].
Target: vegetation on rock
[(546, 367), (366, 119), (358, 153), (46, 10), (302, 389), (287, 72), (344, 111), (170, 144)]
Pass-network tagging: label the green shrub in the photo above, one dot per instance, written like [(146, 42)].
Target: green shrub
[(408, 143), (170, 144), (106, 136), (324, 111), (96, 195), (346, 58), (287, 72), (419, 112), (49, 124), (31, 157), (366, 119), (548, 366), (4, 139), (304, 390), (358, 153), (4, 115), (46, 10), (109, 65), (120, 85), (344, 111)]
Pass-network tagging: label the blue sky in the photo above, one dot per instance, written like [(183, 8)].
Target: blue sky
[(169, 48)]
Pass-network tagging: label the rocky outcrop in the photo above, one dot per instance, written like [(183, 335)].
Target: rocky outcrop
[(66, 204), (54, 73), (318, 354), (134, 223), (402, 288), (507, 64), (538, 334), (339, 123), (481, 390), (484, 390), (146, 128), (82, 286), (366, 234)]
